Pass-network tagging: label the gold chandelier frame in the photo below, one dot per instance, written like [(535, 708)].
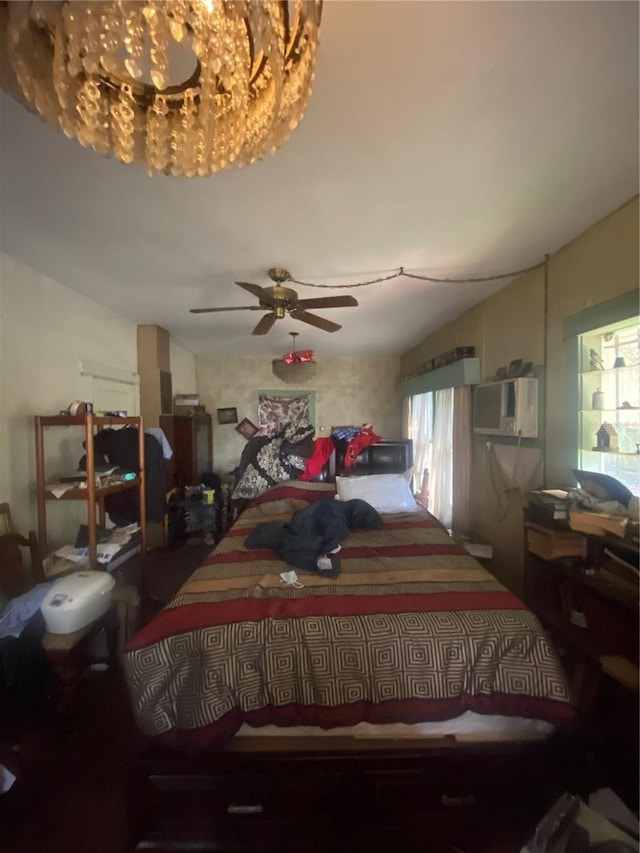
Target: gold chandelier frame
[(79, 64)]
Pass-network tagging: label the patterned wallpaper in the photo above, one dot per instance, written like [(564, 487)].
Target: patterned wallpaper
[(348, 391)]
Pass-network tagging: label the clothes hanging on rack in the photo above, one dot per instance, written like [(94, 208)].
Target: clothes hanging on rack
[(156, 432), (120, 446)]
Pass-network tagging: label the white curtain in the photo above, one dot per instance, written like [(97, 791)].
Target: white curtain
[(406, 417), (461, 489), (440, 481), (421, 433)]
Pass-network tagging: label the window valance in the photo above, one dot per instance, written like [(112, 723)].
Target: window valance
[(463, 372)]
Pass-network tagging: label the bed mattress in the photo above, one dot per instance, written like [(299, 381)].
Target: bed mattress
[(467, 727)]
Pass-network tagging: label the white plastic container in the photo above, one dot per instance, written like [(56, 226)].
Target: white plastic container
[(77, 600)]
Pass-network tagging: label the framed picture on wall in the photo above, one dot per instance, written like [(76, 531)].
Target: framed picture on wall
[(227, 416), (247, 428)]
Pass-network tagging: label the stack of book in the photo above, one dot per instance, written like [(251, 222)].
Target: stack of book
[(598, 523), (552, 503)]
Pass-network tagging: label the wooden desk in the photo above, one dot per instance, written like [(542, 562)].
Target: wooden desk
[(592, 617)]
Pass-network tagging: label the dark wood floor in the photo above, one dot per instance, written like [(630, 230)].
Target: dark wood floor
[(71, 794), (71, 763)]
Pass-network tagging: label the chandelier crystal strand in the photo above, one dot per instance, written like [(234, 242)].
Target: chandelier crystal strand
[(185, 88)]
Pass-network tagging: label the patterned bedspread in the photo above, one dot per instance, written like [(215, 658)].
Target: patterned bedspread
[(413, 629)]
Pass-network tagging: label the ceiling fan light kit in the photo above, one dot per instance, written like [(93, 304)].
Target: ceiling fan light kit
[(280, 301), (295, 373), (294, 367), (189, 87)]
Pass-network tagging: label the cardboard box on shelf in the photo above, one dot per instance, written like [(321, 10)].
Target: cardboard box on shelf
[(186, 400), (551, 544)]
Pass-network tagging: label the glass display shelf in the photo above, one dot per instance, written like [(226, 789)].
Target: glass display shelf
[(595, 450), (610, 371), (632, 410)]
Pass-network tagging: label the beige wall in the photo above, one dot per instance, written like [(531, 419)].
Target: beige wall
[(183, 369), (599, 264), (348, 391), (46, 330)]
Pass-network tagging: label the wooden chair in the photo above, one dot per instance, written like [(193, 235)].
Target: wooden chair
[(6, 522), (15, 577)]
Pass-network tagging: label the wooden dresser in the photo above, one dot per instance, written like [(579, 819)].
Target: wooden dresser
[(191, 437)]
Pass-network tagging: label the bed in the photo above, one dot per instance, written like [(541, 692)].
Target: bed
[(411, 664)]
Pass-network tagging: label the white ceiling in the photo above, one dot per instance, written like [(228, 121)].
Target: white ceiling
[(454, 138)]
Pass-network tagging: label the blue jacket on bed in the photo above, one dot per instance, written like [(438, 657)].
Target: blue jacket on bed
[(313, 532)]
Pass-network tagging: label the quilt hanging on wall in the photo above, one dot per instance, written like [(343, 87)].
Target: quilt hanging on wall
[(276, 411)]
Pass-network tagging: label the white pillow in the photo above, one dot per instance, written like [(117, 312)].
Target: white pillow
[(385, 492)]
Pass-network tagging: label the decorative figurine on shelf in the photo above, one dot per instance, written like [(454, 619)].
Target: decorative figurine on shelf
[(606, 438), (595, 362), (597, 400)]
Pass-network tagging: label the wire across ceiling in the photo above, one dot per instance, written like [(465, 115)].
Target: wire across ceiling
[(401, 272)]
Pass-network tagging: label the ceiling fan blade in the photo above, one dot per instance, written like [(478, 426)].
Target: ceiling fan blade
[(265, 324), (314, 320), (237, 308), (328, 302), (262, 294)]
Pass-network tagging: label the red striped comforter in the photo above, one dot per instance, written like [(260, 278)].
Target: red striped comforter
[(413, 629)]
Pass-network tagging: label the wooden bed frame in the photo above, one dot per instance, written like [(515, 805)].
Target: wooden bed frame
[(352, 795), (310, 794), (387, 456)]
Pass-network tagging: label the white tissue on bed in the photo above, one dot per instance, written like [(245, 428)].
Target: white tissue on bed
[(291, 579)]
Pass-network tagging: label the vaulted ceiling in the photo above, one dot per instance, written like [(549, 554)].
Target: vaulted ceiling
[(452, 138)]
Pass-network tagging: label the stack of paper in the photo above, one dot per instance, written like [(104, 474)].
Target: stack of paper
[(118, 548)]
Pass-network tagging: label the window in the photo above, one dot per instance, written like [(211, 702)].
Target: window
[(609, 422), (431, 429), (420, 431)]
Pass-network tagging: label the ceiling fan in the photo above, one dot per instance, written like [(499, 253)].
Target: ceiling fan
[(280, 301)]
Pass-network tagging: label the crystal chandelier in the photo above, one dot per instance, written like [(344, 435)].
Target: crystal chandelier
[(185, 87)]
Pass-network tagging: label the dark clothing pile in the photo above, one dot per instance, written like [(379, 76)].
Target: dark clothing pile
[(25, 674), (314, 532), (267, 460), (120, 447)]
